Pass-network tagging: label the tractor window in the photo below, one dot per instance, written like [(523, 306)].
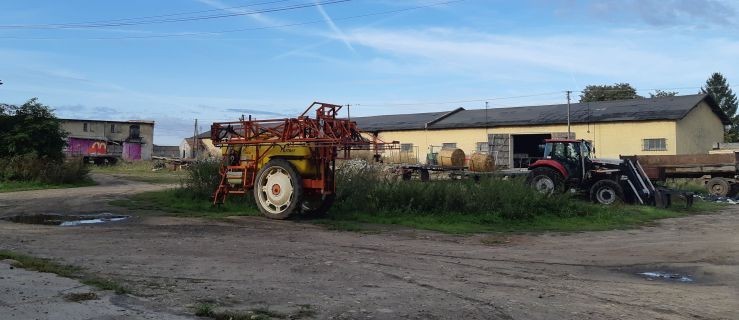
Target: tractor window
[(585, 150), (572, 151), (558, 151)]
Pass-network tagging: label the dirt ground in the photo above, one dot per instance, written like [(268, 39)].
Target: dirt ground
[(173, 264)]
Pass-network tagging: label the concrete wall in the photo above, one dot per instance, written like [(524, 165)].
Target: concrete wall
[(206, 149), (699, 131), (101, 130), (610, 139)]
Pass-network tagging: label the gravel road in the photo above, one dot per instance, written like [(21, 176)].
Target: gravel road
[(245, 263)]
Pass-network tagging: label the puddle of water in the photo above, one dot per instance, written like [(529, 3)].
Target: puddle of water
[(651, 275), (66, 220), (92, 221)]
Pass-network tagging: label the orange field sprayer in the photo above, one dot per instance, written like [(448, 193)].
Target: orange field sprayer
[(288, 164)]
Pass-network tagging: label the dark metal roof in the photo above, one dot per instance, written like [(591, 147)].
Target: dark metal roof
[(666, 108), (412, 121)]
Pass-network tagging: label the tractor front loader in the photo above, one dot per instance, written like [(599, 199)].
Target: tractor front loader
[(288, 164), (569, 164)]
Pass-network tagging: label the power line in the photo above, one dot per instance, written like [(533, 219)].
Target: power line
[(170, 20), (161, 15), (190, 34), (457, 101)]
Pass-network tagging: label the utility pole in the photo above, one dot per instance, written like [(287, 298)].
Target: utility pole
[(486, 129), (569, 132), (195, 140)]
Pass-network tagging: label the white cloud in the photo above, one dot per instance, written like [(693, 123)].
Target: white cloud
[(340, 34), (646, 58)]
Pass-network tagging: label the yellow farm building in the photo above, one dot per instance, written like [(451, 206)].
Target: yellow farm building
[(655, 126)]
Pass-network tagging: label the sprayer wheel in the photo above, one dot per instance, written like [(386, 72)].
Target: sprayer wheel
[(278, 189)]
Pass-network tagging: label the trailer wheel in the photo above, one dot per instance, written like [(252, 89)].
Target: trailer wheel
[(407, 175), (317, 205), (718, 186), (545, 180), (606, 192), (425, 177), (278, 189)]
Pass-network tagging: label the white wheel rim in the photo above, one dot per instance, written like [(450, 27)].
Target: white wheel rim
[(606, 195), (275, 190), (543, 184)]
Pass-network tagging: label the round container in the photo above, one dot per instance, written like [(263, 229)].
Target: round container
[(451, 158), (482, 162)]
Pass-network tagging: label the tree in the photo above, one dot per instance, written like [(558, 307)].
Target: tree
[(30, 128), (661, 94), (617, 91), (719, 89)]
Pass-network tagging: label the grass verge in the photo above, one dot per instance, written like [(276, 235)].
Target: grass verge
[(12, 186), (366, 197), (180, 202), (601, 218), (176, 202), (141, 171), (67, 271)]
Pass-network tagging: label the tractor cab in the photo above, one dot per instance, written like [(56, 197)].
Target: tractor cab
[(572, 158)]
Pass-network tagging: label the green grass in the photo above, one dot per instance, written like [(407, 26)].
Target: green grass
[(366, 198), (601, 218), (141, 171), (179, 202), (693, 185), (67, 271), (12, 186), (591, 217)]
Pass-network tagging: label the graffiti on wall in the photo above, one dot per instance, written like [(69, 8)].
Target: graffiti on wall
[(77, 146)]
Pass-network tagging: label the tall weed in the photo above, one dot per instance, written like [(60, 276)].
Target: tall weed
[(367, 190), (29, 167)]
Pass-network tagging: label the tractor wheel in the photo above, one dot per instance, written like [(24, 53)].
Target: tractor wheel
[(278, 189), (318, 205), (606, 192), (718, 186), (545, 180)]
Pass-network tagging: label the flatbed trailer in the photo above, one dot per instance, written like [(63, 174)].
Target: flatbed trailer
[(424, 172), (719, 172)]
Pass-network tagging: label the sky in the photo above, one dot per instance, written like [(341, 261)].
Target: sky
[(213, 60)]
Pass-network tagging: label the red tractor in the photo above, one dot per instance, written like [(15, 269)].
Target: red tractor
[(569, 164)]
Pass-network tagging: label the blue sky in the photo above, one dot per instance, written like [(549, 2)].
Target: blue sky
[(375, 55)]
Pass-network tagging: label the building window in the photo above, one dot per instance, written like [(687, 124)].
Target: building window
[(449, 145), (112, 128), (483, 147), (654, 144), (406, 147), (85, 127)]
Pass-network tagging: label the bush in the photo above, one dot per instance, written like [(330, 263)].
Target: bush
[(29, 167), (366, 190), (202, 178)]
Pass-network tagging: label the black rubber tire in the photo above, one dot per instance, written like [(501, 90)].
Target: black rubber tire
[(318, 205), (407, 175), (425, 176), (606, 192), (549, 173), (296, 181), (733, 190), (718, 186)]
